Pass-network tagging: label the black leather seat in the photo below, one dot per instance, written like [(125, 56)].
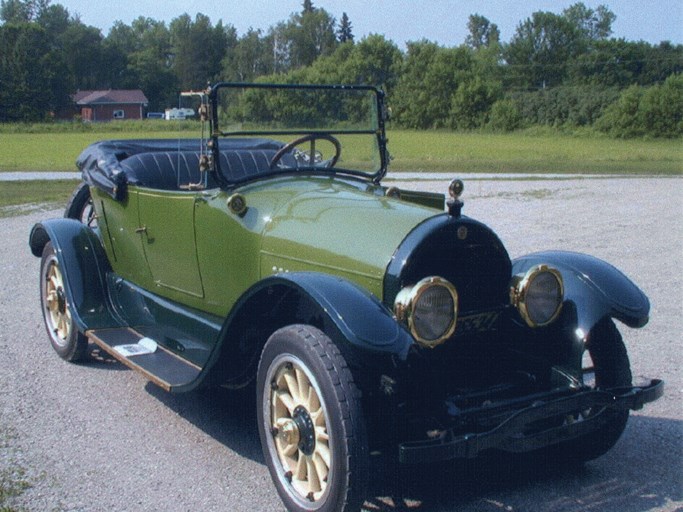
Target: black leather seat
[(162, 170), (171, 170)]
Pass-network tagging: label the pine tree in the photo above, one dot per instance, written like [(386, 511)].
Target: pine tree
[(344, 33), (308, 6)]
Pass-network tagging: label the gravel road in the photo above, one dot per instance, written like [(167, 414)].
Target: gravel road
[(98, 437)]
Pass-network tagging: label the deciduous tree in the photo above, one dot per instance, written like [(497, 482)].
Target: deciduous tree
[(482, 33)]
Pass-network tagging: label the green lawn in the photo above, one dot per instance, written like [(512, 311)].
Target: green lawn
[(21, 197), (55, 151), (435, 151), (519, 152)]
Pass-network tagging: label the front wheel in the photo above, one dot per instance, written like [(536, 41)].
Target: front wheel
[(605, 365), (311, 422)]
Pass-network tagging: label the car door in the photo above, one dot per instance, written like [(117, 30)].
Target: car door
[(120, 222), (168, 239)]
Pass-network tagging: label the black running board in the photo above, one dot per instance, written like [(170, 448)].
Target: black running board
[(160, 366)]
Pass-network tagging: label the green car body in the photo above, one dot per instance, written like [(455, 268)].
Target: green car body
[(196, 232), (368, 317)]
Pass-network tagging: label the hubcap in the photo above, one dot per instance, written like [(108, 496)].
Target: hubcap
[(300, 430)]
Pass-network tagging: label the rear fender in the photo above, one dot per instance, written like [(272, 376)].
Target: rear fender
[(596, 289), (84, 266)]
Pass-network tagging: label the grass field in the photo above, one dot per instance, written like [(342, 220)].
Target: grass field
[(22, 197), (532, 153), (433, 151), (55, 151)]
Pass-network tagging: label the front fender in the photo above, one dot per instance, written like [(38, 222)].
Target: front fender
[(84, 265), (596, 288), (343, 310), (360, 317)]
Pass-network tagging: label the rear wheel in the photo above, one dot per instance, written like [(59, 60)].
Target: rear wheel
[(61, 328), (311, 423), (80, 206)]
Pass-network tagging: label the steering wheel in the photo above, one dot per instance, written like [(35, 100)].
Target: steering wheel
[(311, 137)]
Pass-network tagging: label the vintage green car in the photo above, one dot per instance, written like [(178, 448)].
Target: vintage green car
[(266, 251)]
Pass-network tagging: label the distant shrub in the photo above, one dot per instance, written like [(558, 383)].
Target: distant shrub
[(662, 108), (471, 103), (505, 116), (656, 111), (565, 106)]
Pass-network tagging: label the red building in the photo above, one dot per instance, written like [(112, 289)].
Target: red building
[(111, 104)]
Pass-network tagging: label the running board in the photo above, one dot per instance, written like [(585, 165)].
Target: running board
[(163, 368)]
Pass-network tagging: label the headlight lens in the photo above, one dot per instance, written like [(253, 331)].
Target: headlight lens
[(538, 295), (429, 309)]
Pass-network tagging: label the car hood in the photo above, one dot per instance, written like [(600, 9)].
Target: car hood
[(337, 227)]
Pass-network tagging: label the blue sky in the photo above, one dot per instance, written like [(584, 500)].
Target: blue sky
[(443, 21)]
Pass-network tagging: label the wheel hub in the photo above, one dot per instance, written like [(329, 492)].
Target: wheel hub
[(288, 431), (61, 300), (306, 430)]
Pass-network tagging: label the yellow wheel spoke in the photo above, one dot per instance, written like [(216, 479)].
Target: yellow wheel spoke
[(302, 384), (321, 434), (313, 477), (318, 417), (292, 385), (312, 400), (52, 303), (287, 400), (324, 451), (321, 467), (300, 470), (290, 450), (61, 327)]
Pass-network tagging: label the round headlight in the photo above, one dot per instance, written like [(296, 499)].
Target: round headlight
[(429, 309), (538, 295)]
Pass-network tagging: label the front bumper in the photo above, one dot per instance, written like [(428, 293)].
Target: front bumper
[(509, 435)]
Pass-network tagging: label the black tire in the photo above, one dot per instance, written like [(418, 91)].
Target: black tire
[(80, 206), (315, 446), (61, 328), (611, 368)]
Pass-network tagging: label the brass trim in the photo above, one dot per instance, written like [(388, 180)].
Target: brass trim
[(237, 204), (405, 303), (519, 287), (456, 188), (394, 192)]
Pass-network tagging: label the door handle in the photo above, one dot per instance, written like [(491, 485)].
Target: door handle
[(141, 230)]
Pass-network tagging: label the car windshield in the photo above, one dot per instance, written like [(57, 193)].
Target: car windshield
[(312, 128)]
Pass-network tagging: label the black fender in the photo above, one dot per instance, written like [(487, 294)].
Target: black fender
[(360, 317), (596, 288), (84, 266), (348, 313)]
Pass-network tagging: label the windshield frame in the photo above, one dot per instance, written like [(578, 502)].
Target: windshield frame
[(216, 134)]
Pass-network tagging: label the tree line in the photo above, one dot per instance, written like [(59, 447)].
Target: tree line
[(563, 70)]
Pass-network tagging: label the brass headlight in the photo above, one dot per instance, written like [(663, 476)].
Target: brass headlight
[(538, 295), (429, 309)]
